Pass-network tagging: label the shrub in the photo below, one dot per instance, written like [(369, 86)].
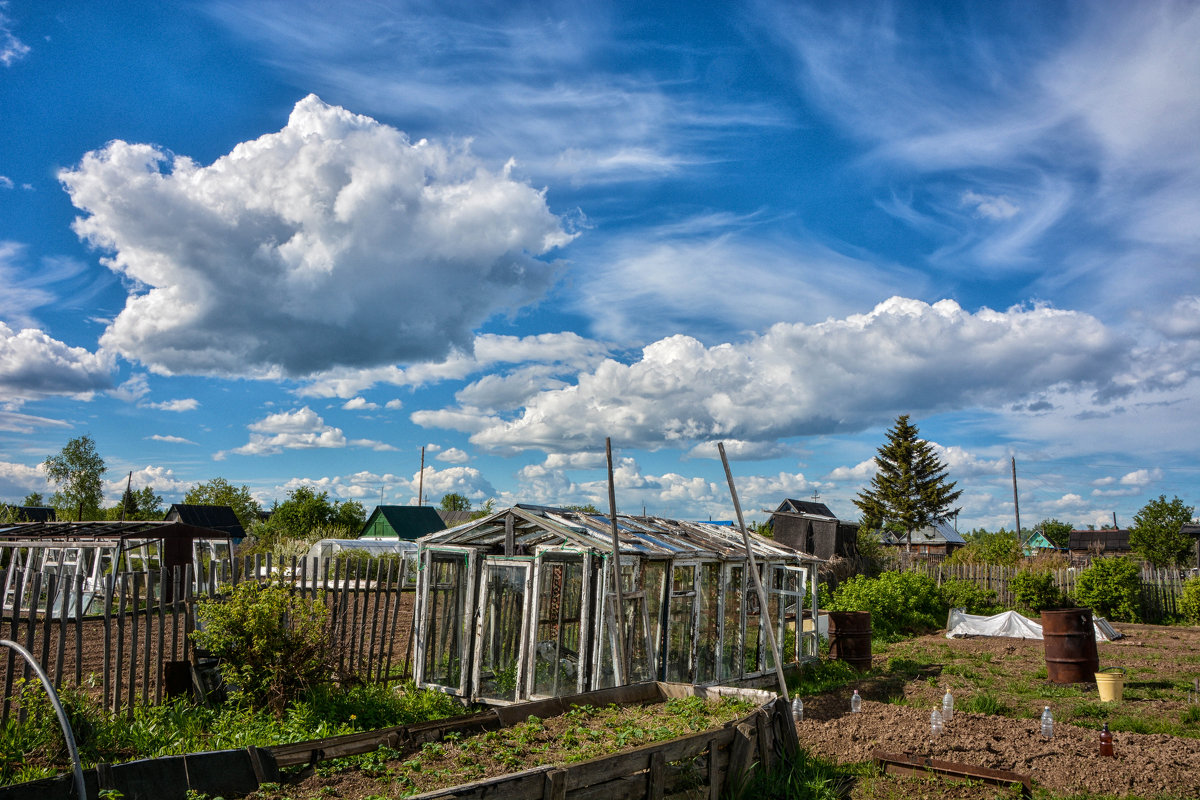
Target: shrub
[(271, 642), (1112, 588), (1002, 548), (901, 603), (1036, 590), (1189, 601), (969, 596)]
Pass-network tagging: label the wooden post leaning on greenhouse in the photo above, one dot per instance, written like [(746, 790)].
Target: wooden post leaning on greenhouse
[(621, 668), (753, 566)]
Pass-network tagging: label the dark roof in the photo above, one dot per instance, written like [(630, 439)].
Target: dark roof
[(453, 518), (33, 513), (805, 507), (407, 522), (1190, 529), (1106, 541), (218, 518)]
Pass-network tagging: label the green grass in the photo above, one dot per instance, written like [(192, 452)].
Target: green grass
[(984, 703)]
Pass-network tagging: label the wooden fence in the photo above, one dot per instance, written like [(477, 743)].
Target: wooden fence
[(138, 650), (1160, 589)]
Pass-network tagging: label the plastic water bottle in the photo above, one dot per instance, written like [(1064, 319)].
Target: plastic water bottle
[(1047, 723), (798, 710), (947, 706), (936, 726), (855, 702)]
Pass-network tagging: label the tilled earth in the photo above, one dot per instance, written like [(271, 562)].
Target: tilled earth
[(1146, 765), (1161, 662)]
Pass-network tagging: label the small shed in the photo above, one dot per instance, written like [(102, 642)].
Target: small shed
[(1038, 543), (811, 527), (519, 604), (402, 522), (217, 518), (32, 513)]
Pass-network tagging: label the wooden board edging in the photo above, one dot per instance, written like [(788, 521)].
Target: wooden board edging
[(908, 764)]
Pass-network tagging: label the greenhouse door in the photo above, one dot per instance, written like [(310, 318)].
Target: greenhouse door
[(500, 636), (681, 622), (443, 641), (560, 608)]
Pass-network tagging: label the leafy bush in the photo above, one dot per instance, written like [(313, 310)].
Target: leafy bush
[(1002, 548), (969, 596), (1112, 588), (1036, 590), (1189, 601), (901, 603), (271, 642)]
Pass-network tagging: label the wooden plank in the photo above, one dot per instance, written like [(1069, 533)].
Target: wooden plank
[(14, 627), (715, 774), (78, 588), (35, 596), (741, 752), (133, 643), (385, 631), (109, 581), (64, 589), (554, 786), (597, 770), (528, 785), (654, 777), (908, 764), (118, 675), (148, 640), (375, 622), (52, 584), (162, 619)]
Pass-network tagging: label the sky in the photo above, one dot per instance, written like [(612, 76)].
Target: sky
[(291, 243)]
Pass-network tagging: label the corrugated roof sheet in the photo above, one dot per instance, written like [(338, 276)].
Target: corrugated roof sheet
[(647, 536)]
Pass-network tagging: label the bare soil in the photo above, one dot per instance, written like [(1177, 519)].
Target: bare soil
[(1161, 664)]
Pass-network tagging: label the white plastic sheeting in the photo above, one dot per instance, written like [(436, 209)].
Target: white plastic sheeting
[(1012, 625)]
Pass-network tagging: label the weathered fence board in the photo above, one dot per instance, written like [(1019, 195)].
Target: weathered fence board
[(146, 619)]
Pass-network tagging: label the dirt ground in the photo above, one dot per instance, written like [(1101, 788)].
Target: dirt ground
[(1161, 663)]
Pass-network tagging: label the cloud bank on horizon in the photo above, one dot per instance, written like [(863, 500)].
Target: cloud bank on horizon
[(520, 234)]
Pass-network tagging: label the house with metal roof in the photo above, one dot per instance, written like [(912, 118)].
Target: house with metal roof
[(402, 522), (520, 604), (936, 539)]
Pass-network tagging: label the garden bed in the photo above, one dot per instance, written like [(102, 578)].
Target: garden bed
[(1156, 729)]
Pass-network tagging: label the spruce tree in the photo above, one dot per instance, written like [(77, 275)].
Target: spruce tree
[(909, 490)]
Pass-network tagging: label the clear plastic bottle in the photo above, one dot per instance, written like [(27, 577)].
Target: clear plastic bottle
[(1047, 723), (947, 706), (855, 702), (798, 709), (936, 725)]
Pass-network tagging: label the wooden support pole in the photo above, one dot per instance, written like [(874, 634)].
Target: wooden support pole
[(621, 668), (752, 565)]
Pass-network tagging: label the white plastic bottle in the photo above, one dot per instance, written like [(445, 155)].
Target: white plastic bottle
[(798, 709), (855, 702), (936, 726), (1047, 723), (947, 706)]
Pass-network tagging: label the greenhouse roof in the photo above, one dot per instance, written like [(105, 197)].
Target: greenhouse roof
[(652, 537), (101, 530)]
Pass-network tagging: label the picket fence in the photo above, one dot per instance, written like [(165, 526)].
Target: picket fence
[(138, 649), (1160, 592)]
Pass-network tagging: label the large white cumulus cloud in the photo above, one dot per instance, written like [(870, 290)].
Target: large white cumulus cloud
[(335, 241), (797, 379), (32, 364)]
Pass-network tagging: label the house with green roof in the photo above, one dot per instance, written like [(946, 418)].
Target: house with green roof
[(402, 522)]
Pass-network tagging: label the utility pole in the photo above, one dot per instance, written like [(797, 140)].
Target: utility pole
[(1016, 505), (421, 482), (129, 485)]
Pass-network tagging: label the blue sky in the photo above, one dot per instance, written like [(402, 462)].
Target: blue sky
[(291, 243)]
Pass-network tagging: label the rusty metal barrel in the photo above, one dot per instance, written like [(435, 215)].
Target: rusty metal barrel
[(1070, 641), (850, 638)]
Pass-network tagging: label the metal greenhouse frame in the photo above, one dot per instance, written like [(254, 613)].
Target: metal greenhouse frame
[(519, 605)]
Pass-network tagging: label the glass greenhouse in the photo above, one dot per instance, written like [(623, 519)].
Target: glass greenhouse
[(519, 605)]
